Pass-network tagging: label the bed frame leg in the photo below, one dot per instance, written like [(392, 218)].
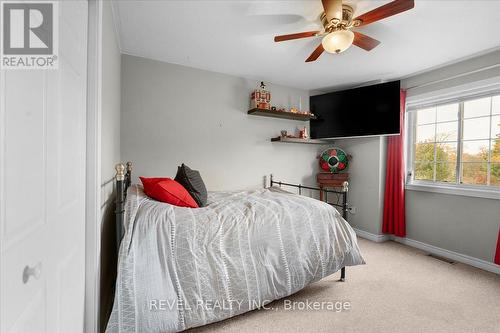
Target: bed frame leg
[(342, 275)]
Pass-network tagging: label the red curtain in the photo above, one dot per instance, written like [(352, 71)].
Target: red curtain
[(394, 199), (497, 255)]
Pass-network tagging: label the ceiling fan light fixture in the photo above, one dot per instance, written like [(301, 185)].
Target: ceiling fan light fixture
[(338, 41)]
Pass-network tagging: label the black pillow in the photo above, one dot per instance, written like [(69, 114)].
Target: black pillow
[(192, 182)]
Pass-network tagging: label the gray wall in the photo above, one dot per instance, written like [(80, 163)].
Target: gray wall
[(173, 114), (110, 155), (462, 224), (367, 179), (477, 68), (466, 225), (111, 99)]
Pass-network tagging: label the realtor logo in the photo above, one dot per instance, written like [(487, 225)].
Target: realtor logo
[(29, 35)]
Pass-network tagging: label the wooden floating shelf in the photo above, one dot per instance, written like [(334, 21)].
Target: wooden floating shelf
[(307, 141), (281, 114)]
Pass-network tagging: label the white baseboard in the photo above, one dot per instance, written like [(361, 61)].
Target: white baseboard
[(372, 237), (455, 256)]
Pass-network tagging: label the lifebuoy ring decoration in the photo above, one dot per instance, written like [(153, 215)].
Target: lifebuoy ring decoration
[(333, 160)]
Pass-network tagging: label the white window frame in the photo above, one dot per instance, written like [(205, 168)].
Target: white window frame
[(442, 98)]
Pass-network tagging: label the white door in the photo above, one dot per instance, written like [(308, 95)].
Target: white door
[(42, 187)]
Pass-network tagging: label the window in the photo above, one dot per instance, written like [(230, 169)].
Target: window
[(456, 144)]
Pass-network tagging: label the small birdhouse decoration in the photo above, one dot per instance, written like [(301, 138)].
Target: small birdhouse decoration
[(261, 98)]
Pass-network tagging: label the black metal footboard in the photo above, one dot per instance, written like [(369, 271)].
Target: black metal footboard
[(341, 200)]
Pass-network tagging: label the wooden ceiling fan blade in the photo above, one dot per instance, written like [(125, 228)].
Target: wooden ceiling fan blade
[(382, 12), (365, 42), (296, 36), (333, 9), (316, 53)]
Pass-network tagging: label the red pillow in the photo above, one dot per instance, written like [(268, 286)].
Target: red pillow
[(169, 191)]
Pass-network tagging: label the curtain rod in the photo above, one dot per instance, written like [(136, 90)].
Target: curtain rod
[(454, 76)]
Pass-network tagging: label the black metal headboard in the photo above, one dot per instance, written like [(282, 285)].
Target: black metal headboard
[(123, 179), (341, 194)]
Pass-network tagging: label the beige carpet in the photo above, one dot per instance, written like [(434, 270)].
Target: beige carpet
[(400, 289)]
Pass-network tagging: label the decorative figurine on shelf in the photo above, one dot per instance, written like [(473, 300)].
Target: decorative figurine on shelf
[(334, 160), (303, 133), (261, 98)]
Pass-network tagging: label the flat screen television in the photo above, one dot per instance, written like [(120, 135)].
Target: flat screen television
[(366, 111)]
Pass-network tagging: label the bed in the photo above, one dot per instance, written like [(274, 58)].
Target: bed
[(180, 268)]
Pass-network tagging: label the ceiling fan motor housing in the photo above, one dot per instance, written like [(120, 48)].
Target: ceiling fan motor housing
[(335, 24)]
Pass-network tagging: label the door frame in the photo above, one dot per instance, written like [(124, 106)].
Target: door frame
[(93, 167)]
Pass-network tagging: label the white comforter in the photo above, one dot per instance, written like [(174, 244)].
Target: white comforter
[(180, 268)]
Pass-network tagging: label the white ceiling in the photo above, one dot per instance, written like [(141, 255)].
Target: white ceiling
[(236, 37)]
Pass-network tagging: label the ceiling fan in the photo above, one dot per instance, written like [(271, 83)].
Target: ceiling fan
[(337, 20)]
